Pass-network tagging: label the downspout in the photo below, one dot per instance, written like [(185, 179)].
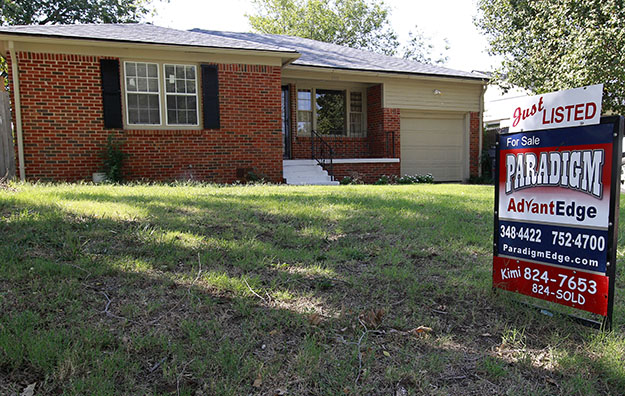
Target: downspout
[(18, 111)]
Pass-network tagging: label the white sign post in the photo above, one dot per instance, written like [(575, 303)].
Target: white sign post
[(573, 107)]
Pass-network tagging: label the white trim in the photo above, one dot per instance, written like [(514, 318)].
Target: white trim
[(18, 110), (362, 160), (327, 73), (362, 112), (312, 111), (197, 97)]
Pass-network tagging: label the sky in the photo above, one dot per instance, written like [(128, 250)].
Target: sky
[(438, 19)]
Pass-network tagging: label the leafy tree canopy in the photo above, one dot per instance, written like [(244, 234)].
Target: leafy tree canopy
[(550, 45), (47, 12), (421, 48), (362, 24)]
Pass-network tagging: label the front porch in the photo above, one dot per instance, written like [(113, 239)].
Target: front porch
[(363, 140)]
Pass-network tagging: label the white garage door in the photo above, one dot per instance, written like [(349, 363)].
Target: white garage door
[(433, 143)]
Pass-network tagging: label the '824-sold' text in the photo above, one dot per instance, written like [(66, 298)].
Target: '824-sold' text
[(561, 286)]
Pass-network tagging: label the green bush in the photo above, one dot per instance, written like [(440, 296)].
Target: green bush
[(113, 160), (383, 180), (414, 179), (346, 180), (354, 178)]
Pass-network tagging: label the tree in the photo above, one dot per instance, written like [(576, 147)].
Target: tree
[(362, 24), (420, 48), (550, 45), (47, 12)]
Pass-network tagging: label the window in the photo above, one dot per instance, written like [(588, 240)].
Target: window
[(181, 93), (143, 96), (330, 112), (330, 106), (304, 111), (144, 101), (356, 118)]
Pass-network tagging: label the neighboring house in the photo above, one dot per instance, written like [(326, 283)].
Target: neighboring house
[(499, 104), (213, 106)]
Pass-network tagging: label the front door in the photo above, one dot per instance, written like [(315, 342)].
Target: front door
[(286, 123)]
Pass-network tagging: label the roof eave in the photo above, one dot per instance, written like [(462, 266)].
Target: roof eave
[(287, 56), (386, 73)]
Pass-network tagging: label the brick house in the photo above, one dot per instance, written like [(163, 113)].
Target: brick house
[(213, 106)]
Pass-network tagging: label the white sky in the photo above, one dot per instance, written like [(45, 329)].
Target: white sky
[(452, 19)]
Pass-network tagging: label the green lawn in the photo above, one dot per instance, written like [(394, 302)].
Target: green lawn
[(276, 290)]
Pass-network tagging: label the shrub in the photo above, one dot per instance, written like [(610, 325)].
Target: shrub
[(427, 178), (406, 179), (347, 180), (113, 159), (386, 180), (255, 177), (414, 179), (392, 179), (353, 178)]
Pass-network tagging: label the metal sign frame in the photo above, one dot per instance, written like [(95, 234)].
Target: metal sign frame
[(617, 123)]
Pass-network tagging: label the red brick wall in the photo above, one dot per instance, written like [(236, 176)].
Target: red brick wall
[(369, 173), (380, 122), (64, 132), (342, 147), (474, 144)]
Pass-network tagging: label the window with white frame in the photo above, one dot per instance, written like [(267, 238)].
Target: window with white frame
[(304, 112), (181, 93), (330, 112), (356, 114), (142, 93), (144, 102)]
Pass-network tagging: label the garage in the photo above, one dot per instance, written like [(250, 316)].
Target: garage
[(434, 143)]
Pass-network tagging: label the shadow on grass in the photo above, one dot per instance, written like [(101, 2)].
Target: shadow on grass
[(237, 294)]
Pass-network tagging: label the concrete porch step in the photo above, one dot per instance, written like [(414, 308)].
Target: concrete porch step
[(305, 172)]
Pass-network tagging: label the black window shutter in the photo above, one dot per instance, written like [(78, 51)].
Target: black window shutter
[(111, 93), (210, 96)]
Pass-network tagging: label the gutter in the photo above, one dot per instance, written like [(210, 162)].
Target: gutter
[(18, 110), (387, 73)]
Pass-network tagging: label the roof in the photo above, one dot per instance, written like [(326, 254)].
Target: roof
[(140, 33), (319, 54), (313, 53)]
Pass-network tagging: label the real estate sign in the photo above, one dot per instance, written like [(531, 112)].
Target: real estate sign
[(573, 107), (556, 213)]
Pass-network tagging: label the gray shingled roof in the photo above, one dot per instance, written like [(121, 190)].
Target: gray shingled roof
[(313, 53), (141, 33), (320, 54)]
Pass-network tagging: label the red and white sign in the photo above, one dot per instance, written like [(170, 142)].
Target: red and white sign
[(573, 107), (578, 289)]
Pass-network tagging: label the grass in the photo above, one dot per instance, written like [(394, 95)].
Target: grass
[(269, 290)]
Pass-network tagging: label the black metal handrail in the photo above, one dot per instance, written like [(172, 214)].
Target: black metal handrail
[(322, 152)]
